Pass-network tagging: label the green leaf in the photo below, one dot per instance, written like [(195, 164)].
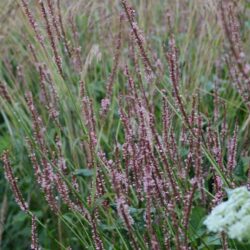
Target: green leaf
[(133, 210), (84, 172), (4, 142), (105, 227), (212, 240), (20, 217), (197, 216), (242, 168), (196, 223)]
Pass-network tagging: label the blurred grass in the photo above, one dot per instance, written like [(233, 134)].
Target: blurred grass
[(201, 43)]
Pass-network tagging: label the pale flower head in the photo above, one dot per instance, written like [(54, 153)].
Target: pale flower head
[(232, 216)]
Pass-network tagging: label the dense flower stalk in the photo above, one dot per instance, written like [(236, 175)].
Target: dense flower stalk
[(4, 92), (49, 29), (13, 183), (232, 150), (188, 208), (54, 18), (97, 240), (76, 48), (33, 22), (35, 163), (237, 63), (122, 206), (34, 237), (47, 174), (88, 114), (172, 58), (138, 37)]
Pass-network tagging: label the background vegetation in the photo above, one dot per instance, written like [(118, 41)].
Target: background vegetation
[(92, 60)]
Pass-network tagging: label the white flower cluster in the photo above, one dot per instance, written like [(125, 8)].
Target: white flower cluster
[(232, 216)]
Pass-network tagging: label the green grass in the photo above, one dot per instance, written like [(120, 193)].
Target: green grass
[(200, 41)]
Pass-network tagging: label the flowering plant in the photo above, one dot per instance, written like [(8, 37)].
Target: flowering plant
[(232, 216)]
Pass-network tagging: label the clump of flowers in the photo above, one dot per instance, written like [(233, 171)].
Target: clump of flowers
[(232, 216)]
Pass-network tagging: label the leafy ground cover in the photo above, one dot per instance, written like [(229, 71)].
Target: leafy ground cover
[(123, 123)]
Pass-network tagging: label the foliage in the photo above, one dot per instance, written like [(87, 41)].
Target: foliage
[(122, 123)]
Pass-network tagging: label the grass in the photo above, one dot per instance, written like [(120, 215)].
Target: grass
[(131, 183)]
